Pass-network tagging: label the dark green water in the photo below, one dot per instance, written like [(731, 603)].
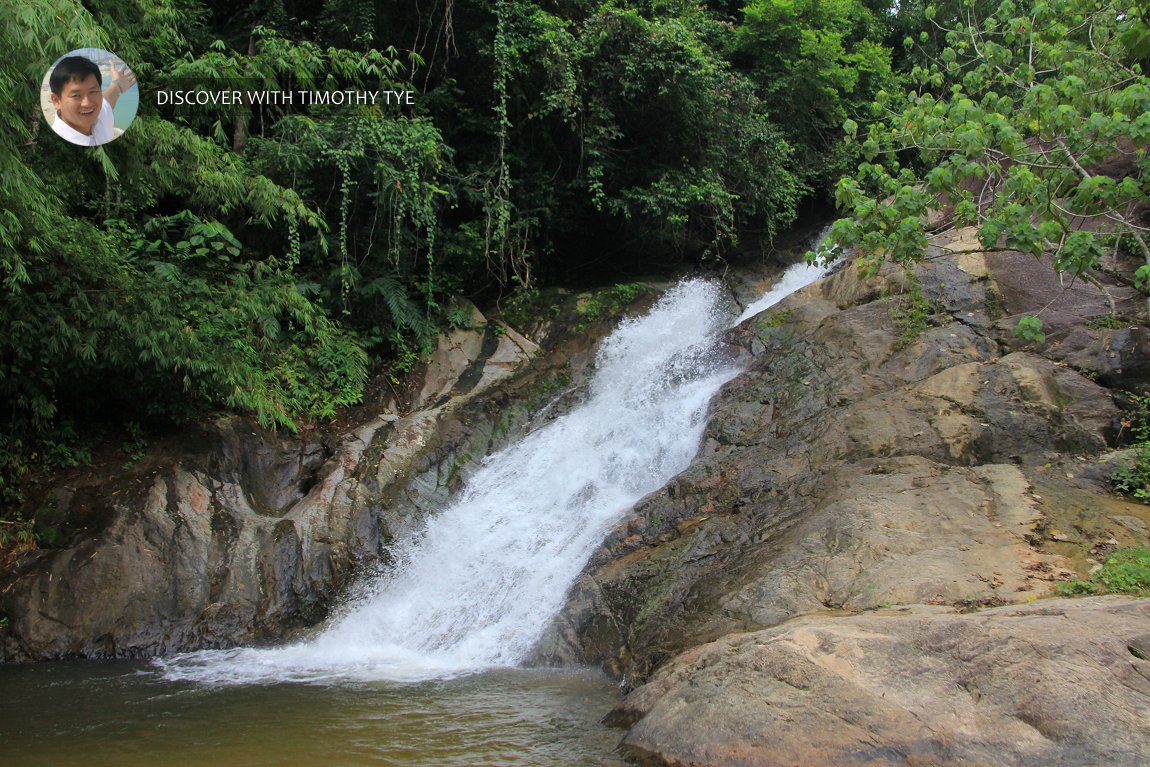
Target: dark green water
[(124, 714)]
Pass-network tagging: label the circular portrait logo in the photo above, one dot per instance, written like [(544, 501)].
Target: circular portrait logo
[(89, 96)]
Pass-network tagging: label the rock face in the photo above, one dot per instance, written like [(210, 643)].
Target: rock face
[(853, 465), (864, 461), (1043, 684), (243, 536)]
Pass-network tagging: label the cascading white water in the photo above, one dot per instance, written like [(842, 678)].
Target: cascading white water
[(796, 277), (477, 586)]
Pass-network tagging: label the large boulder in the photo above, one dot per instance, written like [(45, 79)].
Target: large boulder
[(1060, 682)]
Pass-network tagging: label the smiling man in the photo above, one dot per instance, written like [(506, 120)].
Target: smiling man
[(84, 111)]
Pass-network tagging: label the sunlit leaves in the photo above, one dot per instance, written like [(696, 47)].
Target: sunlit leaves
[(1037, 102)]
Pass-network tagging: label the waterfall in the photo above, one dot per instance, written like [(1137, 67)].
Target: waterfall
[(477, 586), (797, 276)]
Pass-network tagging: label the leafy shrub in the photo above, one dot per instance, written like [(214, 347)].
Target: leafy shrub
[(1075, 587), (1005, 123), (1127, 571), (1133, 477)]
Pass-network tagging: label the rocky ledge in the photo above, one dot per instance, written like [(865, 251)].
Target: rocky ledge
[(892, 458), (1064, 682)]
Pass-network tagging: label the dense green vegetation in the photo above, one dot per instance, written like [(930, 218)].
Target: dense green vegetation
[(1126, 571), (269, 260), (1030, 120)]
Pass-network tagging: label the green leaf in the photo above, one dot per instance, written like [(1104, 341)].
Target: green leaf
[(1142, 278), (1030, 329), (1079, 254)]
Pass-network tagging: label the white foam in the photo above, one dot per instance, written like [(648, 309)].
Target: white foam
[(477, 586)]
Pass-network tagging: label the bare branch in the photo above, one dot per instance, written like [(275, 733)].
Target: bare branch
[(1105, 292)]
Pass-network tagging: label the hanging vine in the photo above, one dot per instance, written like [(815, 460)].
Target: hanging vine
[(507, 259), (345, 276)]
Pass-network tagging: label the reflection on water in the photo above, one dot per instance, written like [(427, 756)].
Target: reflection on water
[(123, 715)]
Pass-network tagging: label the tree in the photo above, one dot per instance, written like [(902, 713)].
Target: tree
[(621, 136), (816, 64), (153, 276), (226, 258), (1033, 122)]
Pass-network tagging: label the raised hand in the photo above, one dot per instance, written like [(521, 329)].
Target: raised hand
[(122, 77)]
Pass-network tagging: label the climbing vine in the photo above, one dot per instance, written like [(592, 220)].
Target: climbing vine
[(265, 259)]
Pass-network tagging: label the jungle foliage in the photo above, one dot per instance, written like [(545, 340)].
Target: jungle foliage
[(1030, 119), (267, 260)]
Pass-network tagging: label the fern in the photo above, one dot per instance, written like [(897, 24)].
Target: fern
[(405, 313)]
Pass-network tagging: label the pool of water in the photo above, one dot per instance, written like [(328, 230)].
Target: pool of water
[(125, 714)]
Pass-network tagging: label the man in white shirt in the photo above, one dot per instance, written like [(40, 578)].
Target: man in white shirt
[(84, 112)]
